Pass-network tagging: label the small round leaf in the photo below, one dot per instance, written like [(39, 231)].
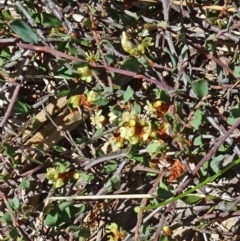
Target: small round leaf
[(200, 88)]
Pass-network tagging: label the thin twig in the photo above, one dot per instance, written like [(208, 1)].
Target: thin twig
[(16, 91), (111, 156), (100, 197), (108, 68)]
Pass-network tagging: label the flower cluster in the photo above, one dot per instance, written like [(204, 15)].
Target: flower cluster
[(86, 74), (98, 119), (138, 50), (134, 130), (57, 177), (115, 233), (85, 100)]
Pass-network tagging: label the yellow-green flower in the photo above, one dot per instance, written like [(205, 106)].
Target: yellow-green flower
[(86, 74), (58, 183), (125, 42), (112, 117), (126, 117), (98, 119), (149, 108), (92, 96), (148, 41), (134, 140), (52, 174), (74, 101), (147, 131), (127, 132), (91, 58)]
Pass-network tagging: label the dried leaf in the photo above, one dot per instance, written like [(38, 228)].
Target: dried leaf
[(176, 170)]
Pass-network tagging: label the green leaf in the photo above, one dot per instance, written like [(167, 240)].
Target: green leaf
[(65, 73), (107, 90), (128, 94), (70, 46), (21, 108), (87, 23), (63, 93), (116, 110), (216, 162), (163, 186), (236, 71), (162, 24), (110, 167), (110, 58), (58, 148), (197, 141), (198, 115), (200, 88), (1, 62), (25, 184), (184, 51), (154, 147), (164, 238), (35, 16), (192, 198), (73, 228), (48, 20), (135, 16), (84, 177), (101, 101), (137, 108), (210, 197), (13, 233), (143, 61), (181, 37), (98, 133), (131, 64), (62, 165), (131, 150), (7, 15), (211, 46), (5, 53), (85, 43), (81, 209), (84, 233), (64, 205), (51, 219), (23, 30), (234, 114), (137, 209), (5, 177), (14, 203), (9, 151), (140, 157), (196, 122), (163, 193), (223, 148), (173, 57), (6, 218), (162, 95)]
